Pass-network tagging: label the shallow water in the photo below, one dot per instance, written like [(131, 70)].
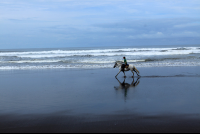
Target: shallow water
[(163, 99), (158, 91)]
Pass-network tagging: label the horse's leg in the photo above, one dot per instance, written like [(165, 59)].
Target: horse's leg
[(118, 73), (133, 73), (136, 72), (124, 73)]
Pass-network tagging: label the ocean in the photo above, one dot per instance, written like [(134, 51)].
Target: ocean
[(104, 57)]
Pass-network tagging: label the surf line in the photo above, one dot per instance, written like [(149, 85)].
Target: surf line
[(155, 76)]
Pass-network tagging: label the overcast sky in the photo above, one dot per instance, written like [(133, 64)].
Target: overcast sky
[(90, 23)]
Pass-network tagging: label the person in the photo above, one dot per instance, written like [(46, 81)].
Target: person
[(125, 65)]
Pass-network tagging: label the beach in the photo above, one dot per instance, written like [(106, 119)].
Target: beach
[(163, 99), (106, 66)]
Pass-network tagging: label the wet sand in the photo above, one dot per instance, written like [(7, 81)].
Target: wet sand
[(163, 99)]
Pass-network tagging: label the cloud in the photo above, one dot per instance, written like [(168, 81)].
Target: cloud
[(99, 21), (186, 34), (188, 25), (146, 36)]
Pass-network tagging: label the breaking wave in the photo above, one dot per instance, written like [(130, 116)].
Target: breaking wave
[(99, 58), (85, 66), (104, 52)]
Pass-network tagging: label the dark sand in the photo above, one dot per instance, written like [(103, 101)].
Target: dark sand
[(164, 99)]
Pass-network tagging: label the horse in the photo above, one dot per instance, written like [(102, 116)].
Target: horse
[(130, 68)]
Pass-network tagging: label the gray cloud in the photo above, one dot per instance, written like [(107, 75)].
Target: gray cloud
[(107, 22), (154, 28)]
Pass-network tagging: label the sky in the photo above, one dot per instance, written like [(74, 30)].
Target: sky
[(94, 23)]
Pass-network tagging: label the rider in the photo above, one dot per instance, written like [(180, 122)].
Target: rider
[(125, 65)]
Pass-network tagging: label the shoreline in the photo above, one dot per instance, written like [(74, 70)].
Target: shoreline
[(47, 67)]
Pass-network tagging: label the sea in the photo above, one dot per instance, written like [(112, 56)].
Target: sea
[(99, 57)]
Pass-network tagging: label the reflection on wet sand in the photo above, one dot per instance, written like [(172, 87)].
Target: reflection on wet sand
[(125, 86)]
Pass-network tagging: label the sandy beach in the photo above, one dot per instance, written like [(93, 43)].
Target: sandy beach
[(163, 99)]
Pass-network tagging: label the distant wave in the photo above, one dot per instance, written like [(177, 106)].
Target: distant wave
[(111, 61), (104, 52), (90, 61), (99, 58), (151, 59), (94, 61), (34, 61), (9, 58), (85, 66)]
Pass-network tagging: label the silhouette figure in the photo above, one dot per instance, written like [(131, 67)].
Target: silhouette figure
[(130, 68)]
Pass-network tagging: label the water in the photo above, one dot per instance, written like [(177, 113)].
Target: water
[(159, 91), (99, 57)]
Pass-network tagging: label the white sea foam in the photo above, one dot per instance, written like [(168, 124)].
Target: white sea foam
[(97, 61), (93, 61), (99, 58), (33, 61), (49, 67), (142, 64), (104, 52)]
